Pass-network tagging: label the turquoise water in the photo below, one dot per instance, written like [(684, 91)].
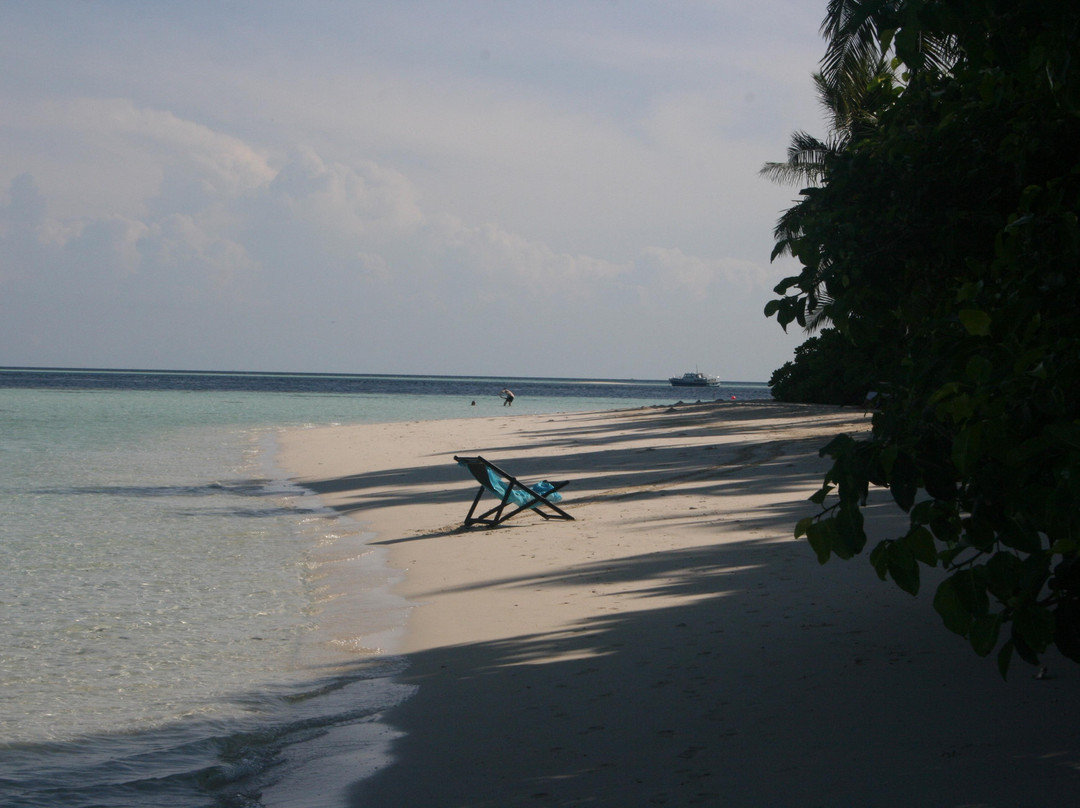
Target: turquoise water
[(182, 626)]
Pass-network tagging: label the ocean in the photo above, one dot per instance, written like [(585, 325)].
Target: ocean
[(182, 626)]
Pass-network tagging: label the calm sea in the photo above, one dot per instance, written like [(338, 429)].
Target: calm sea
[(180, 625)]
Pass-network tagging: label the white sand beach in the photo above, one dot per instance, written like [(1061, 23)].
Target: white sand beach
[(674, 645)]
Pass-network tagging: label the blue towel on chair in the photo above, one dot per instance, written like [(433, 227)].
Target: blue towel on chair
[(543, 488)]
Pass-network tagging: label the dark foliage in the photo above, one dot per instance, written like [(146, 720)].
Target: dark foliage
[(947, 236), (827, 369)]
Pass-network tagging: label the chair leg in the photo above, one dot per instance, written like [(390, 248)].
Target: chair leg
[(490, 517), (537, 503), (468, 519)]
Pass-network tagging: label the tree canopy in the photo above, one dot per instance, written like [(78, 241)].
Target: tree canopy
[(940, 239), (827, 369)]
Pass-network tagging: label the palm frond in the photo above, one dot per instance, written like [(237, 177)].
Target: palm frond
[(806, 158), (852, 28), (860, 33), (818, 317), (788, 228)]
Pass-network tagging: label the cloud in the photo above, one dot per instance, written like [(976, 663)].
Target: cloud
[(227, 165), (21, 219), (108, 155), (699, 275), (26, 207), (228, 237), (577, 175), (244, 213), (108, 245), (500, 258), (188, 249), (359, 201)]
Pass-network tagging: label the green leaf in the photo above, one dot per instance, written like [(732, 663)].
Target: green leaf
[(1023, 650), (979, 533), (921, 542), (1003, 575), (1067, 433), (980, 370), (887, 456), (1065, 547), (782, 287), (939, 479), (960, 407), (968, 291), (971, 586), (1031, 450), (949, 554), (922, 513), (1035, 569), (903, 482), (838, 445), (1035, 624), (948, 604), (903, 568), (984, 633), (976, 322), (1067, 635), (945, 526), (879, 558), (819, 534), (1019, 221), (1004, 657), (849, 538), (967, 448), (1019, 537), (945, 391), (803, 526)]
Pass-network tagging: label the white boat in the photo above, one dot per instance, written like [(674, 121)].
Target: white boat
[(694, 379)]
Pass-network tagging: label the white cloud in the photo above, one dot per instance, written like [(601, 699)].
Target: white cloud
[(108, 155), (702, 276), (577, 175), (510, 261), (184, 247), (110, 244), (358, 201)]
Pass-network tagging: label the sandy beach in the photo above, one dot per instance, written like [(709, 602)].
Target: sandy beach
[(674, 645)]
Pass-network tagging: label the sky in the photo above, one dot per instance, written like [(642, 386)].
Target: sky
[(480, 187)]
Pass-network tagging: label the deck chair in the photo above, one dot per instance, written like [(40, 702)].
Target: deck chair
[(513, 495)]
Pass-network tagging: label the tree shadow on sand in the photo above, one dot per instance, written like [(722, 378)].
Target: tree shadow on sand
[(741, 695), (638, 464), (741, 674)]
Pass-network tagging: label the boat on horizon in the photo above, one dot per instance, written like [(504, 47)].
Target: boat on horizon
[(694, 379)]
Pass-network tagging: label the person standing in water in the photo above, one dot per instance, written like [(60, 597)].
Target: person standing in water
[(507, 397)]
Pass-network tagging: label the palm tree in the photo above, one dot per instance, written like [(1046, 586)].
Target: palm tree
[(851, 105), (805, 162), (852, 110), (856, 82), (861, 32)]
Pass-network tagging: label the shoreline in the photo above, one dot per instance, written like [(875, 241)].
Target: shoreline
[(674, 645)]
